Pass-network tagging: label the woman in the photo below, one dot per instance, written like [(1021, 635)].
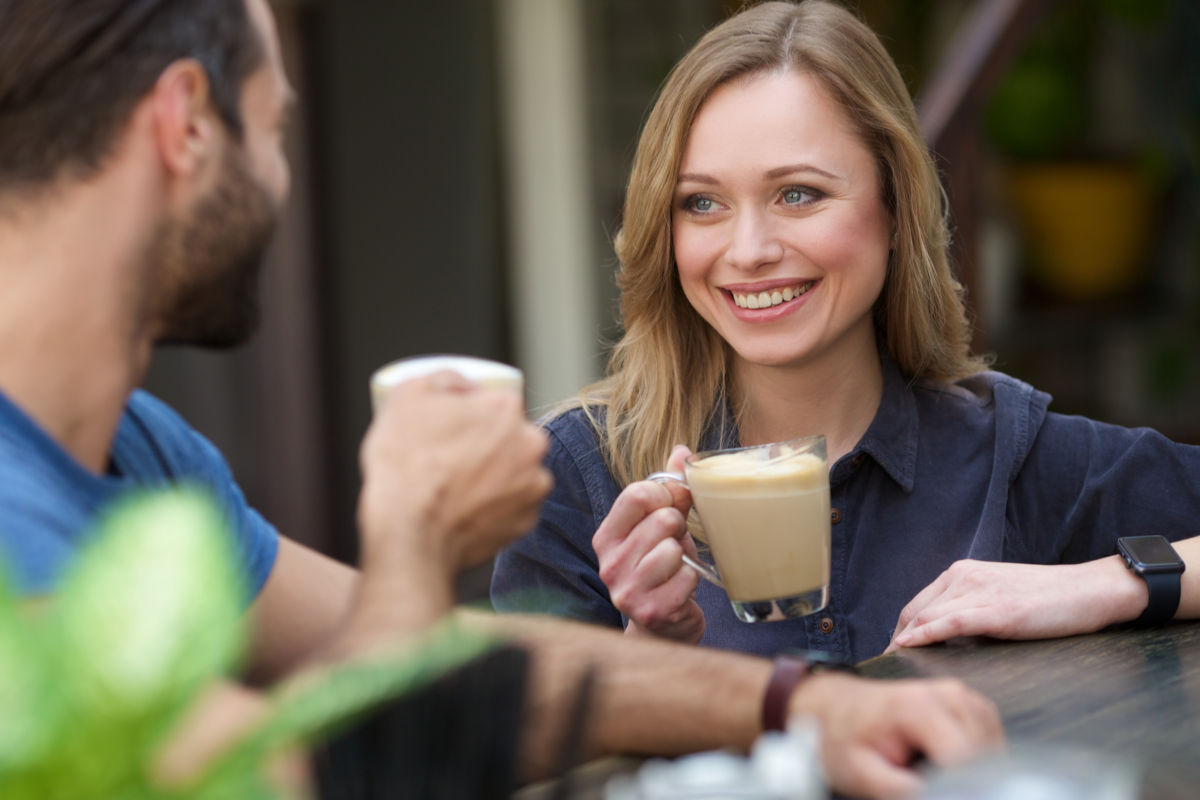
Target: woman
[(784, 273)]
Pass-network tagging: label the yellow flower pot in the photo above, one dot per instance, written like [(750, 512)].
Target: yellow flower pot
[(1087, 225)]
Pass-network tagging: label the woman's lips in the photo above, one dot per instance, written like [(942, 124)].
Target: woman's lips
[(767, 305), (771, 297)]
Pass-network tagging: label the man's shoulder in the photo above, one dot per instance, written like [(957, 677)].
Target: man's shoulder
[(153, 441), (152, 415)]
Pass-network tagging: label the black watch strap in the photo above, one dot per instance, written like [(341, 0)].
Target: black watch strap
[(1164, 598)]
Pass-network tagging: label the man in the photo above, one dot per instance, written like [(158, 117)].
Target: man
[(141, 172)]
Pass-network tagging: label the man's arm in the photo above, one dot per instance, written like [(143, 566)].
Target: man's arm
[(451, 472), (305, 600), (655, 697)]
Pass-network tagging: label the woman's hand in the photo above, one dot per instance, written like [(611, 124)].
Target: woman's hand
[(1019, 601), (640, 547)]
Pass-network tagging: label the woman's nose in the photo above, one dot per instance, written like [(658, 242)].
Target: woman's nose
[(753, 242)]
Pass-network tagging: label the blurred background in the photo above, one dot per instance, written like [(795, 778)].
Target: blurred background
[(458, 176)]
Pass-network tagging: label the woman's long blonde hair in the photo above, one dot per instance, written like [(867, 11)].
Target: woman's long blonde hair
[(668, 371)]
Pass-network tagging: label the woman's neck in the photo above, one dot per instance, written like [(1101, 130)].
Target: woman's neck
[(836, 396)]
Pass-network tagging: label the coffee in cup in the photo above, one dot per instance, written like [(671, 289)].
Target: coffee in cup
[(765, 516)]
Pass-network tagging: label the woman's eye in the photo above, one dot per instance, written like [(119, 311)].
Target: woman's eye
[(794, 196), (698, 203)]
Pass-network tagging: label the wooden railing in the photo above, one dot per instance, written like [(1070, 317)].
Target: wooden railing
[(950, 110)]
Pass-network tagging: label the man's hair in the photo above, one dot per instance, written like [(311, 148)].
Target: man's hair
[(72, 71)]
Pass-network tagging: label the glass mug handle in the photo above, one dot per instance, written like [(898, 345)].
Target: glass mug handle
[(703, 570)]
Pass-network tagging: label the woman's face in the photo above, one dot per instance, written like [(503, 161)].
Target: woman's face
[(779, 229)]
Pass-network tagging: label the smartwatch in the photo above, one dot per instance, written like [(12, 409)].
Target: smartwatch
[(1154, 560)]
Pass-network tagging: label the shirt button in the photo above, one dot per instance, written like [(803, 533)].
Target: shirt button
[(856, 461), (826, 624), (835, 516)]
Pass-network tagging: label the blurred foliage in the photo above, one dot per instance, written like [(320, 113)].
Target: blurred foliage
[(1042, 108), (906, 31), (94, 682)]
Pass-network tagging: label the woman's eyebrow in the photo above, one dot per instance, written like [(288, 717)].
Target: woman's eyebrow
[(792, 169), (777, 172)]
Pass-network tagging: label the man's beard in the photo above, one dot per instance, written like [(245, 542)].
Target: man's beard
[(206, 267)]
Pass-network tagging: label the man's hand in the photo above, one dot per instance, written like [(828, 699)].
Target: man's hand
[(640, 546), (1019, 601), (220, 719), (872, 731), (451, 473)]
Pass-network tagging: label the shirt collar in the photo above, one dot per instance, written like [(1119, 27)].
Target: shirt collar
[(892, 436), (891, 439)]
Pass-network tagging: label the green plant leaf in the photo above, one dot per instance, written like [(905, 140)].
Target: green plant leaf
[(153, 609), (31, 708)]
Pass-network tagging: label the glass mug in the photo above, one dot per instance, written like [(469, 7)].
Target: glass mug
[(764, 511), (489, 374)]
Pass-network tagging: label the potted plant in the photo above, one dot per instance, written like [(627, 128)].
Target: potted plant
[(1086, 208), (96, 680)]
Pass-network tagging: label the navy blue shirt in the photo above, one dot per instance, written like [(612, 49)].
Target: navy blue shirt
[(978, 469)]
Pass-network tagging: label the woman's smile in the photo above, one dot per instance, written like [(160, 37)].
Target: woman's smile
[(767, 303)]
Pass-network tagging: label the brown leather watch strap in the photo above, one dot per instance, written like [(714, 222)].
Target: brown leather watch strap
[(787, 672)]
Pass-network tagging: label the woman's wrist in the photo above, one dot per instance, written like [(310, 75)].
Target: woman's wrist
[(1121, 595)]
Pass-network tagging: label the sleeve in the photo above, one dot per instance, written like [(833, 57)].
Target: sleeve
[(167, 448), (554, 569), (1086, 483), (257, 540)]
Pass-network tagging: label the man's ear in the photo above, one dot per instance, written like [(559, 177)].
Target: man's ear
[(185, 124)]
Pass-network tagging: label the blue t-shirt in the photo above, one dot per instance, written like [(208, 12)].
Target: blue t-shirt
[(979, 469), (49, 502)]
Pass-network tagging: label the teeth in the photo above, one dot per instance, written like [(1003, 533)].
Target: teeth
[(772, 298)]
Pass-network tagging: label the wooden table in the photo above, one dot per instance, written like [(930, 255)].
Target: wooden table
[(1133, 694), (1128, 694), (1122, 692)]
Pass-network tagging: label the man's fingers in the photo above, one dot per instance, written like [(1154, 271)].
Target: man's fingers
[(865, 772), (955, 724)]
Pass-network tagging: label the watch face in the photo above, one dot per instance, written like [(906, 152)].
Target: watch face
[(1150, 554)]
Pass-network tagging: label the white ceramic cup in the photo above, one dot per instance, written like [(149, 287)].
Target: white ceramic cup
[(490, 374)]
